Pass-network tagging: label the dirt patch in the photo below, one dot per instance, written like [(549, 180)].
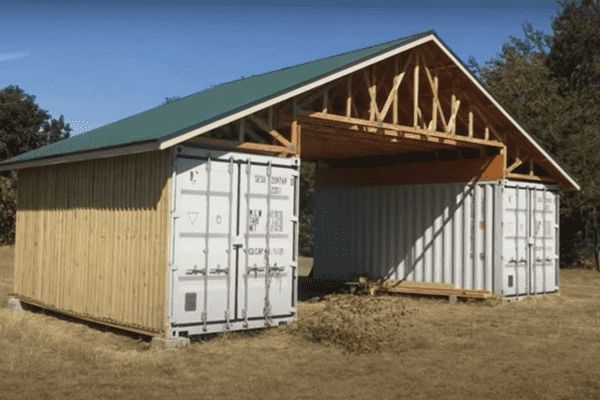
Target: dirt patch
[(357, 323)]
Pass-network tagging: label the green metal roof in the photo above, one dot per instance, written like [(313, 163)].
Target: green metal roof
[(196, 110)]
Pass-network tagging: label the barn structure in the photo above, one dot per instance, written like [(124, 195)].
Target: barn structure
[(183, 219)]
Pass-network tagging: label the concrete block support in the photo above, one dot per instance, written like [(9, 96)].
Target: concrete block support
[(170, 343), (15, 304)]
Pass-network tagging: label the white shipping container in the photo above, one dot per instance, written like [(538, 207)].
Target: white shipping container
[(233, 241), (454, 233)]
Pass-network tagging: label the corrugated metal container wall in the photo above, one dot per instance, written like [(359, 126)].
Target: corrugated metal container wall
[(92, 239), (427, 233)]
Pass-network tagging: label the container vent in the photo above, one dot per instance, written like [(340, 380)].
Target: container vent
[(510, 281), (190, 301)]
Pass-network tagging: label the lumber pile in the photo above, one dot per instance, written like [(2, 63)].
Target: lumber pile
[(420, 288)]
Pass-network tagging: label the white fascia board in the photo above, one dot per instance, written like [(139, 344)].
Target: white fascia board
[(506, 114), (92, 155), (295, 92)]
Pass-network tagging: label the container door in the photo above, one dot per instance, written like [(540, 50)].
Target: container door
[(544, 226), (267, 228), (516, 238), (530, 240), (203, 265)]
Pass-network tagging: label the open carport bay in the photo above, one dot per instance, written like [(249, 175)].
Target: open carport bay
[(340, 347)]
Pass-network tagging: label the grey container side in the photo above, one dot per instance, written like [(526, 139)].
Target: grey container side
[(443, 233)]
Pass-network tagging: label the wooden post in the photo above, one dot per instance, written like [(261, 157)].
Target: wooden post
[(395, 101), (242, 131), (325, 101), (452, 121), (471, 123), (373, 94), (416, 95), (294, 127), (298, 139), (531, 168), (270, 118), (349, 97), (434, 107)]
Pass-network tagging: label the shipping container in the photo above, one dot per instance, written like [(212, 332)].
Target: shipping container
[(233, 255), (224, 226), (456, 233)]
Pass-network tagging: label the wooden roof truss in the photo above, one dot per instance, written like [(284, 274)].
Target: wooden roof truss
[(412, 102)]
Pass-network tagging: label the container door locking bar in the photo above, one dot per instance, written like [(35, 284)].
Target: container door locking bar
[(206, 255), (247, 244), (267, 308), (229, 244)]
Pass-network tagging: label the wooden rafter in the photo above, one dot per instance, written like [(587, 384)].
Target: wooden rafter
[(392, 97), (455, 105), (416, 95), (261, 124), (437, 105), (518, 162), (372, 88)]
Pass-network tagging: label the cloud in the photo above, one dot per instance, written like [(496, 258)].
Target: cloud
[(11, 56)]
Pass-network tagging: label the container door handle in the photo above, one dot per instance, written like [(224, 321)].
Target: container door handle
[(195, 271), (255, 269), (219, 270)]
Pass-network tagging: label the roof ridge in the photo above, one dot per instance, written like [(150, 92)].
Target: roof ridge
[(404, 38)]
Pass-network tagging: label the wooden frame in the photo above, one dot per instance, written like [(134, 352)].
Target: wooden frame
[(409, 102)]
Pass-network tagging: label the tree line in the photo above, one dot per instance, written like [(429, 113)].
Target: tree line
[(24, 126), (549, 82)]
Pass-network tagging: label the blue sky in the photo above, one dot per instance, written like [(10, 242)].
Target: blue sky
[(99, 61)]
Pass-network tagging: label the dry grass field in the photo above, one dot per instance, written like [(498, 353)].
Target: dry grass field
[(342, 346)]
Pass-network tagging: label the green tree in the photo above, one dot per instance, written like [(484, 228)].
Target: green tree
[(23, 126), (574, 61), (574, 54), (522, 82), (550, 83)]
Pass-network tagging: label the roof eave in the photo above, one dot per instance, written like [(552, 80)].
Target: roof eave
[(106, 152)]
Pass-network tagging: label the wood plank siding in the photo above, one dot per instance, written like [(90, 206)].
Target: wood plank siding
[(91, 239)]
